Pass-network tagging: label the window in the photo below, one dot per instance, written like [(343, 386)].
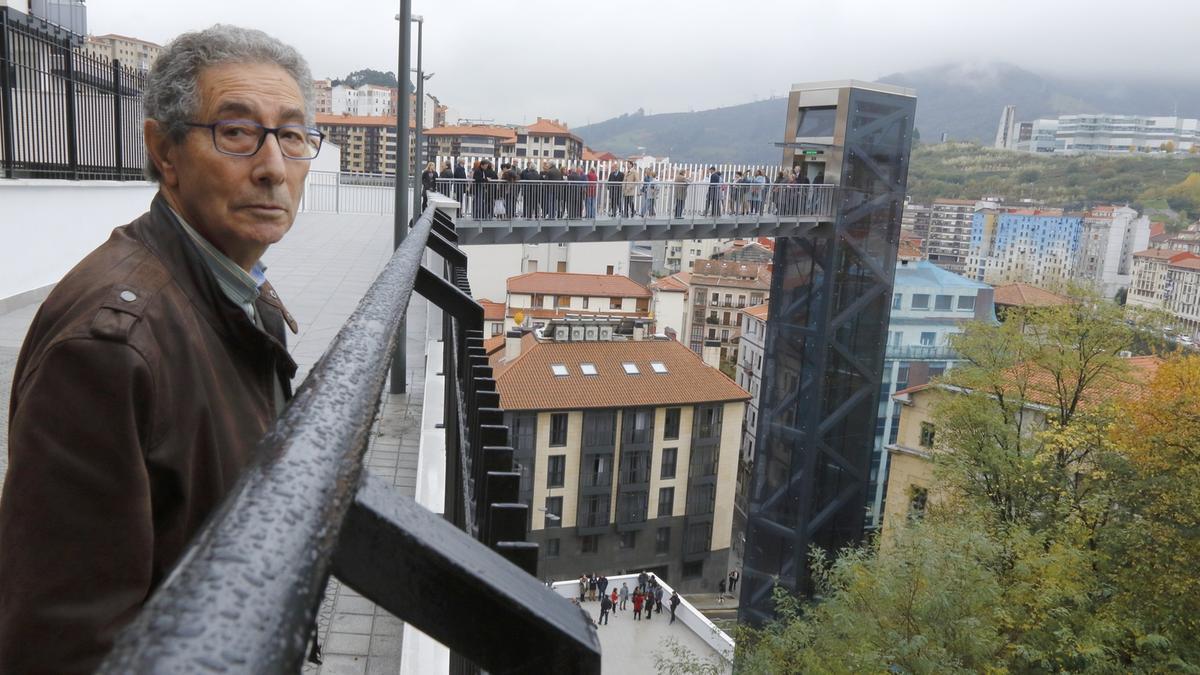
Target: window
[(585, 302), (966, 302), (668, 463), (598, 471), (552, 548), (693, 569), (918, 498), (588, 368), (920, 301), (564, 300), (927, 432), (628, 539), (497, 328), (671, 428), (710, 421), (716, 298), (630, 368), (614, 303), (662, 540), (729, 299), (553, 517), (896, 300), (635, 467), (556, 470), (927, 339), (558, 429), (589, 543), (942, 302), (666, 502), (658, 366), (724, 334), (558, 369)]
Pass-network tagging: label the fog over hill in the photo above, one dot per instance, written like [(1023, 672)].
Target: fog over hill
[(962, 100)]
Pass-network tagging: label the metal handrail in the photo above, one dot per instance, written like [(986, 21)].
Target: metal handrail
[(244, 595)]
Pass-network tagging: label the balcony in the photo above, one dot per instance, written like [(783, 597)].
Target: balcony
[(920, 353)]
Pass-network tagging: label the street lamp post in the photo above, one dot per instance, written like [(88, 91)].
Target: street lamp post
[(418, 136), (403, 196)]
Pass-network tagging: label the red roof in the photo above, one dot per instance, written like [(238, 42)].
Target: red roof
[(473, 130), (492, 310), (1026, 295), (361, 120), (568, 283), (676, 283), (758, 311), (1170, 255)]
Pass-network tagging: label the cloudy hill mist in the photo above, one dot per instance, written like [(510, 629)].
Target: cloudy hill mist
[(962, 100)]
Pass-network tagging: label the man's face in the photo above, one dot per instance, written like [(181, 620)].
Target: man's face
[(240, 204)]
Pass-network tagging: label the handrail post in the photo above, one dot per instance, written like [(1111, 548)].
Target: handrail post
[(119, 159), (6, 92)]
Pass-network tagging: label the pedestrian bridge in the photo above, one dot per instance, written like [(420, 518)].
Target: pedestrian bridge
[(541, 211)]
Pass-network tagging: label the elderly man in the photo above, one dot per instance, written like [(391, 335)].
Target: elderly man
[(156, 364)]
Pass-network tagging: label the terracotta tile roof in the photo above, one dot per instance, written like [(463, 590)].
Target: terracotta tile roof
[(758, 311), (492, 310), (527, 383), (1157, 228), (1025, 295), (494, 345), (563, 312), (590, 155), (361, 120), (568, 283), (676, 283), (1170, 255), (1190, 263), (955, 202), (473, 130)]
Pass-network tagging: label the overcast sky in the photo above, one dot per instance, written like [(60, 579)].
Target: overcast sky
[(584, 62)]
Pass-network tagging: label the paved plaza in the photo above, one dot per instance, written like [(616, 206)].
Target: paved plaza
[(630, 646), (321, 270)]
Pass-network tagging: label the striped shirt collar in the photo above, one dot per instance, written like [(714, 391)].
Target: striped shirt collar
[(240, 286)]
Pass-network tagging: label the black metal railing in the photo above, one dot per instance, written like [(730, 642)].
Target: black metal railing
[(244, 595), (64, 113)]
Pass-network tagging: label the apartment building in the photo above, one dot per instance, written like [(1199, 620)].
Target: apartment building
[(916, 220), (719, 290), (538, 297), (367, 144), (367, 100), (1107, 242), (546, 139), (627, 451), (131, 52), (949, 240), (751, 351), (1168, 280), (1035, 246), (669, 304), (473, 140), (680, 255)]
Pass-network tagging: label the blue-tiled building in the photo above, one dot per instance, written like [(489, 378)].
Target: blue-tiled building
[(928, 305), (1033, 246)]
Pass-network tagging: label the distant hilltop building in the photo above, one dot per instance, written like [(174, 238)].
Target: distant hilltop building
[(130, 51), (1099, 132)]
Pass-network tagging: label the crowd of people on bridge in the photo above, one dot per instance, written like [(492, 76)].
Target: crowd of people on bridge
[(555, 191), (645, 598)]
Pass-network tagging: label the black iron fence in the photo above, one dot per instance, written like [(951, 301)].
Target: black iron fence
[(245, 594), (64, 113)]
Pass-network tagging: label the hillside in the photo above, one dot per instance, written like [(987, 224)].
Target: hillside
[(968, 171), (963, 100)]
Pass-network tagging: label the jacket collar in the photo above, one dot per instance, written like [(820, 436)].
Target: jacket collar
[(160, 233)]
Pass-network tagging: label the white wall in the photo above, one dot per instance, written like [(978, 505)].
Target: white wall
[(49, 225), (595, 257)]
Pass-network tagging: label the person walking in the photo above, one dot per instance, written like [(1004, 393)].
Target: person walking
[(721, 592), (637, 605), (712, 201), (629, 190), (428, 182), (734, 576), (605, 607), (624, 595), (658, 593), (674, 603), (613, 597), (680, 190), (460, 185)]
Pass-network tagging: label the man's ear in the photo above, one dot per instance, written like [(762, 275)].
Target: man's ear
[(162, 151)]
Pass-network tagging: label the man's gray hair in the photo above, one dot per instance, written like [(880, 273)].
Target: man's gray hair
[(172, 95)]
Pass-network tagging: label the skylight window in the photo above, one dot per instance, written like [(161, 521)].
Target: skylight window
[(558, 369), (588, 368), (630, 368), (658, 366)]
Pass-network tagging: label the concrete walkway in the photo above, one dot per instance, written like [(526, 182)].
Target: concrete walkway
[(321, 270)]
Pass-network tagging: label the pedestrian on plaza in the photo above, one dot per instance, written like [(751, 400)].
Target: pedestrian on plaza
[(658, 593), (605, 607), (576, 189), (642, 579), (649, 193), (591, 587), (428, 182), (629, 190), (734, 576), (648, 605), (446, 179), (602, 585), (510, 177), (615, 178), (530, 190), (583, 585), (478, 192), (493, 185), (637, 604), (712, 201), (624, 595), (721, 592), (613, 597), (674, 603), (681, 188), (157, 363)]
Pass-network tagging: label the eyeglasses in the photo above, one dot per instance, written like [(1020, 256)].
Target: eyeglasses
[(244, 138)]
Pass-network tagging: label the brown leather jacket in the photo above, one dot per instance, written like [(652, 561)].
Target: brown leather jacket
[(138, 397)]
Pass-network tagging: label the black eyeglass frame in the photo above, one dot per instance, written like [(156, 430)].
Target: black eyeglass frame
[(262, 137)]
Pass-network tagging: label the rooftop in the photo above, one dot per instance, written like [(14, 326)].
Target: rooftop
[(758, 311), (569, 283), (361, 120), (473, 130), (925, 273), (1025, 295), (731, 273), (1162, 254), (675, 283), (492, 310), (529, 383)]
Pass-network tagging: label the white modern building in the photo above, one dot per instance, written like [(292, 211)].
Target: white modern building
[(1006, 132), (1098, 132), (368, 100)]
